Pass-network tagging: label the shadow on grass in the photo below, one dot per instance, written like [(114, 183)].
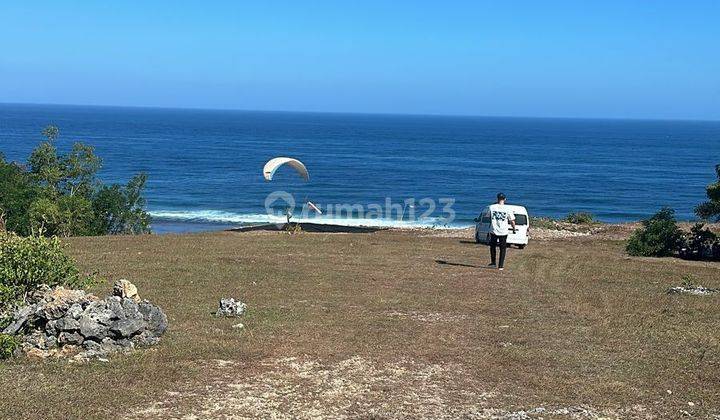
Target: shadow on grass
[(457, 264), (443, 262)]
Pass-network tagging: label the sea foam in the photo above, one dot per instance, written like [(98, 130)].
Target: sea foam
[(225, 217)]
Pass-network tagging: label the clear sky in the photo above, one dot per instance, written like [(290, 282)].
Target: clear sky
[(634, 59)]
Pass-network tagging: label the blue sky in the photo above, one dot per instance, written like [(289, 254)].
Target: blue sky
[(626, 59)]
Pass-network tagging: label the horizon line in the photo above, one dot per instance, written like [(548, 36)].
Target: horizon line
[(399, 114)]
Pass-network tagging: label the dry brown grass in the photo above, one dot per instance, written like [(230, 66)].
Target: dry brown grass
[(371, 325)]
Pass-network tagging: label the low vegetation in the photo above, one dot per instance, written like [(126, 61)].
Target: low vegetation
[(580, 218), (8, 344), (60, 194), (544, 223), (574, 222), (28, 263), (659, 236)]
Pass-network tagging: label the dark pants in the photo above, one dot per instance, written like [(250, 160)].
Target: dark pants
[(494, 242)]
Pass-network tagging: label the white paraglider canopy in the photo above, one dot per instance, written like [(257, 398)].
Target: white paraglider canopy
[(273, 164)]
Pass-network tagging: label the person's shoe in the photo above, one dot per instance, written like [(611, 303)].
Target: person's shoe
[(492, 265), (501, 269)]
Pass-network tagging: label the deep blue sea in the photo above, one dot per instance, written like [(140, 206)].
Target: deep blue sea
[(205, 166)]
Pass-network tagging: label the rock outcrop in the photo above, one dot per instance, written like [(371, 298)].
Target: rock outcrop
[(62, 322)]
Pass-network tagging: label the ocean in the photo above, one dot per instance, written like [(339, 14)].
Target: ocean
[(205, 166)]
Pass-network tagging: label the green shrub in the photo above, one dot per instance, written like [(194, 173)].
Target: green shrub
[(26, 263), (659, 236), (580, 218), (8, 344)]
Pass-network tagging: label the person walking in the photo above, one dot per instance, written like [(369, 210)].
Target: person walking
[(501, 218)]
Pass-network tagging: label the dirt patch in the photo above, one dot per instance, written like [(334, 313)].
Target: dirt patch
[(303, 387), (306, 388), (427, 316)]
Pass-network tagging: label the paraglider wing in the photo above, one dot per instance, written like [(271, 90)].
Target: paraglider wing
[(274, 164)]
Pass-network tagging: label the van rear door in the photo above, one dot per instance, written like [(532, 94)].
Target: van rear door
[(521, 227)]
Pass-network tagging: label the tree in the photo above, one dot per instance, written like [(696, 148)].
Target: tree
[(711, 208), (60, 194), (120, 210), (17, 192)]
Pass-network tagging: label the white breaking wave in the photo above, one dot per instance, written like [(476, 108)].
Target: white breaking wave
[(219, 216)]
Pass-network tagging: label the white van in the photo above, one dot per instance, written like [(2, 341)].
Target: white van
[(522, 224)]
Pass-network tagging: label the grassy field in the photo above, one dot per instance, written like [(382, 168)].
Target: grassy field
[(391, 324)]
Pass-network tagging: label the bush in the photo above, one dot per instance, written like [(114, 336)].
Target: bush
[(658, 237), (26, 263), (8, 344), (580, 218), (60, 194)]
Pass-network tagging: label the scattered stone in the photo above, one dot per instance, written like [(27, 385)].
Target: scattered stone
[(691, 290), (229, 307), (124, 289), (238, 326), (61, 323)]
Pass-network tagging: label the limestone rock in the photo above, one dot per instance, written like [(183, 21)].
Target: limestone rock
[(91, 345), (127, 327), (155, 318), (19, 319), (92, 329), (229, 307), (66, 323), (37, 354), (70, 338), (124, 289), (51, 327), (60, 299), (75, 311), (67, 351)]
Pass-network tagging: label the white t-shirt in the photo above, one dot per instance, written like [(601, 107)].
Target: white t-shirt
[(500, 217)]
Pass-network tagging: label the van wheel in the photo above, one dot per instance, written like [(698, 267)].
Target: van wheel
[(521, 246)]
